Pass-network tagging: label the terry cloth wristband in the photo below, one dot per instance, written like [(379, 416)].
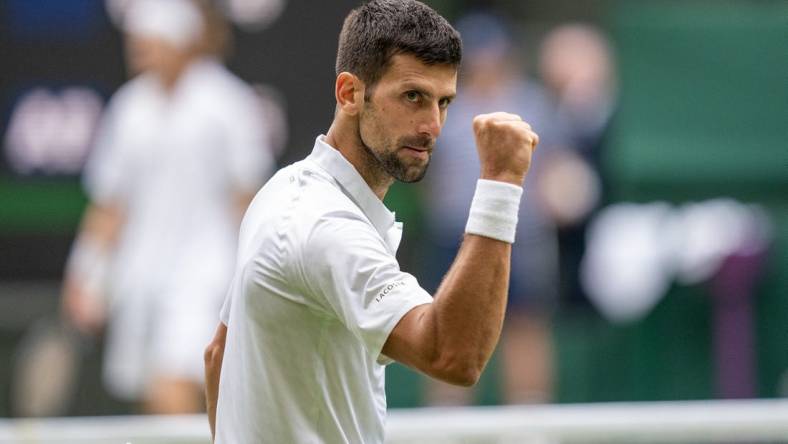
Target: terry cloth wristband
[(494, 210), (89, 262)]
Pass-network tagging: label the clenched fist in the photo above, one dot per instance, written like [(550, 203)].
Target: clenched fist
[(505, 144)]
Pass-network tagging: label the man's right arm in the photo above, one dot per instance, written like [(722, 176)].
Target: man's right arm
[(83, 298), (214, 355), (453, 338)]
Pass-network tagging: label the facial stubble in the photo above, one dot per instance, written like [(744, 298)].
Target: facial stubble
[(385, 159)]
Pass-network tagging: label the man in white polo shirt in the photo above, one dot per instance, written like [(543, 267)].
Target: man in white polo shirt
[(318, 304)]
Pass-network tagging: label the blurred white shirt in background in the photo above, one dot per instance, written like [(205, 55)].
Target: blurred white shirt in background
[(175, 163)]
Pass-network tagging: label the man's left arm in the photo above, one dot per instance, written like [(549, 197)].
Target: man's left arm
[(214, 354)]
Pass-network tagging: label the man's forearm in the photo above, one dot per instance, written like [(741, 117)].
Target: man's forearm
[(99, 230), (83, 299), (214, 355), (470, 304)]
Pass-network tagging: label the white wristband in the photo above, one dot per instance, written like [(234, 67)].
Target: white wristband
[(89, 263), (494, 210)]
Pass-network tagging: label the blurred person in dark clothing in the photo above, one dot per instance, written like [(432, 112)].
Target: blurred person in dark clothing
[(576, 63)]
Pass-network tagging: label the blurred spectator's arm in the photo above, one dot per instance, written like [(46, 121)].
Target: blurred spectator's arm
[(83, 298), (250, 150), (242, 201), (568, 187), (214, 354)]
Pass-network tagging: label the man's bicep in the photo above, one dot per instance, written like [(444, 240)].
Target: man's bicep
[(411, 341)]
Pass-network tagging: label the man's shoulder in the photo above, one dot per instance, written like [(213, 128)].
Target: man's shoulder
[(323, 207), (304, 211), (222, 91), (137, 92), (310, 193), (322, 193)]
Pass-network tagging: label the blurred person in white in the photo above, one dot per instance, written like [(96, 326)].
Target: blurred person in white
[(180, 153), (492, 77), (576, 63)]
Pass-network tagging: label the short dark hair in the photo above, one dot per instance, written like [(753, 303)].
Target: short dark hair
[(376, 31)]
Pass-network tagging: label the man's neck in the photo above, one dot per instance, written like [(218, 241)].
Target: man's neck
[(171, 75), (342, 137)]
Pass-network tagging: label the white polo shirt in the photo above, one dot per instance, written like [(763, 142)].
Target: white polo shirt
[(316, 292)]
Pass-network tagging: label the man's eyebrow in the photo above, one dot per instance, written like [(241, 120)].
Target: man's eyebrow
[(412, 86)]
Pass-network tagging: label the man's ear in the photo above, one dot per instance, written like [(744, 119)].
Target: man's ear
[(349, 92)]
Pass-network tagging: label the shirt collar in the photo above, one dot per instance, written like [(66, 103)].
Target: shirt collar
[(195, 73), (355, 187)]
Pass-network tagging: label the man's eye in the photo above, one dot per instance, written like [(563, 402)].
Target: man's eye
[(412, 96), (444, 103)]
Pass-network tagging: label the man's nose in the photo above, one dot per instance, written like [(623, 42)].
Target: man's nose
[(431, 122)]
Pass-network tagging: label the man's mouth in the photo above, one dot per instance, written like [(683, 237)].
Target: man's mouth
[(419, 152)]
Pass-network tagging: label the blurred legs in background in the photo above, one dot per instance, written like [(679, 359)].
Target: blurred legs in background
[(168, 395), (527, 359), (526, 368)]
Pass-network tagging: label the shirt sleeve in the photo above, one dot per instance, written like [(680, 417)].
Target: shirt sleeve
[(348, 265), (249, 154), (105, 175)]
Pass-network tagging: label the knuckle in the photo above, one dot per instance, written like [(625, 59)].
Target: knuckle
[(480, 122), (520, 131), (477, 120)]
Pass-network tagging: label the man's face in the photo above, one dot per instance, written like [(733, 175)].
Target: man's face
[(403, 115)]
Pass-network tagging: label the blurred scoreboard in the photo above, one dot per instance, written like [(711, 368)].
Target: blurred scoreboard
[(63, 59)]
